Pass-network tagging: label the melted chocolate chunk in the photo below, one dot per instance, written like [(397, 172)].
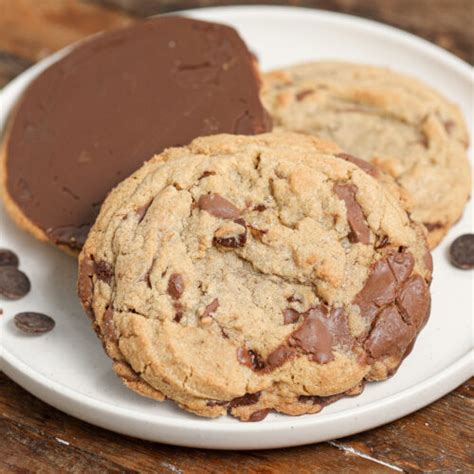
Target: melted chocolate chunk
[(14, 284), (247, 399), (233, 241), (104, 271), (322, 401), (280, 356), (259, 415), (109, 326), (413, 301), (218, 206), (157, 71), (211, 308), (34, 323), (290, 316), (250, 358), (461, 252), (359, 229), (8, 258), (178, 316), (260, 207), (401, 264), (390, 334), (362, 164), (176, 286), (314, 337)]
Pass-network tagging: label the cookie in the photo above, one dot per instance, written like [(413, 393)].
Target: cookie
[(247, 274), (94, 117), (394, 121)]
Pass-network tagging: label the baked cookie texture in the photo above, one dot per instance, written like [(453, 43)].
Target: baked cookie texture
[(93, 117), (247, 274), (394, 121)]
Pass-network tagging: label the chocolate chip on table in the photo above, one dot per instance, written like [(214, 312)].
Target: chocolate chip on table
[(461, 252), (14, 284), (8, 258), (34, 323)]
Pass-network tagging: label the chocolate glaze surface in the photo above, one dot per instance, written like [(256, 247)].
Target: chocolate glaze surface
[(95, 116)]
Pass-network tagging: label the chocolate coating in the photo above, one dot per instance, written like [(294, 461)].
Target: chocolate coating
[(95, 116)]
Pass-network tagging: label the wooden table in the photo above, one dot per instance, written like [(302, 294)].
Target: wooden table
[(37, 438)]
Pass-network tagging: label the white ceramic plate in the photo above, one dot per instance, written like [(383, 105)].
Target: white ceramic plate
[(67, 368)]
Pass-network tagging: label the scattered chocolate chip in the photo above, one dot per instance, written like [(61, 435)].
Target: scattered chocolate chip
[(259, 415), (303, 93), (247, 399), (461, 252), (290, 316), (431, 226), (321, 401), (175, 286), (359, 229), (14, 284), (260, 207), (362, 164), (210, 308), (234, 240), (34, 323), (8, 258), (218, 206), (103, 270)]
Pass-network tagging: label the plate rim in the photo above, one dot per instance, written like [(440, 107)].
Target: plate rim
[(418, 395)]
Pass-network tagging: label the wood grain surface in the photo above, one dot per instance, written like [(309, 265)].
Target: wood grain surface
[(37, 438)]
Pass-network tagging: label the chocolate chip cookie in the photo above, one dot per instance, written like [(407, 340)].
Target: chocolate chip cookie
[(246, 274), (93, 117), (394, 121)]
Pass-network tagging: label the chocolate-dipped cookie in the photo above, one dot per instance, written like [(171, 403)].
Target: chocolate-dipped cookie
[(97, 114)]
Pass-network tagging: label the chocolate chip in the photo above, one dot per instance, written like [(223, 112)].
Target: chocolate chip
[(232, 240), (279, 356), (250, 358), (109, 326), (218, 206), (461, 252), (247, 399), (290, 316), (401, 264), (14, 284), (8, 258), (314, 337), (322, 401), (362, 164), (178, 316), (34, 323), (431, 226), (390, 335), (381, 243), (303, 93), (175, 286), (206, 174), (260, 207), (414, 300), (104, 271), (259, 415), (359, 229), (210, 308)]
